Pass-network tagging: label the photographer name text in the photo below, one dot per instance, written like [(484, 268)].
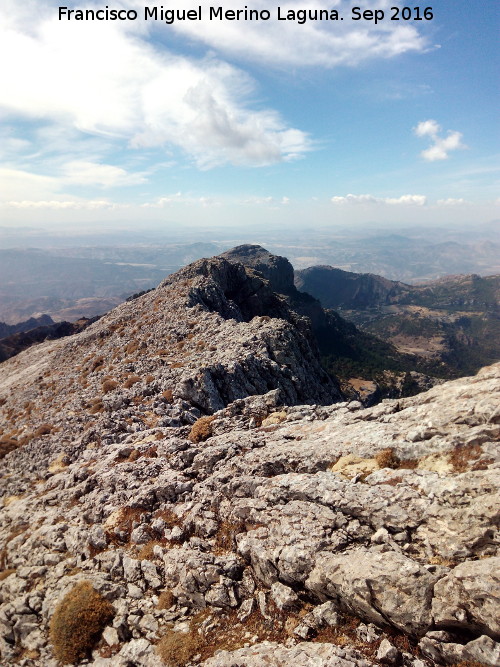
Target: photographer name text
[(219, 13)]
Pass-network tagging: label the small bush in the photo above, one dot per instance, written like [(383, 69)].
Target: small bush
[(132, 347), (387, 459), (225, 537), (43, 429), (96, 407), (462, 457), (166, 599), (178, 648), (133, 379), (97, 364), (78, 621), (7, 445), (201, 429), (168, 395), (109, 385)]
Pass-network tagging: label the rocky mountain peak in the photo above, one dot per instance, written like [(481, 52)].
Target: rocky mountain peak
[(277, 270)]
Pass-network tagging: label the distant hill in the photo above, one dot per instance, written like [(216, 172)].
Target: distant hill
[(25, 338), (454, 320), (31, 323)]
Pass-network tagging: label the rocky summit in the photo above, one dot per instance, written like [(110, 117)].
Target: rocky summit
[(184, 484)]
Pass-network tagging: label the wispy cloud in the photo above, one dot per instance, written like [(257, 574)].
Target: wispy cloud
[(405, 200), (453, 202), (123, 89), (84, 173), (441, 147), (280, 44)]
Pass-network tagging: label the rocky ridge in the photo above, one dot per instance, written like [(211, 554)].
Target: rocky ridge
[(188, 456)]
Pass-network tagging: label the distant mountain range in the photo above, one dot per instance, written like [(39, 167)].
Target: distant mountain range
[(23, 335), (454, 320), (69, 277)]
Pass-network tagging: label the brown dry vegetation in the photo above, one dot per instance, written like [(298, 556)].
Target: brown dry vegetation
[(462, 457), (133, 379), (109, 385), (43, 429), (78, 621), (7, 445), (178, 648), (387, 459), (226, 632), (168, 395), (201, 429), (226, 536), (166, 599)]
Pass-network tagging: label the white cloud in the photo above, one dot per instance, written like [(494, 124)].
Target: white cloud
[(103, 79), (16, 183), (92, 204), (441, 146), (81, 172), (411, 200), (180, 198), (427, 128), (452, 202), (282, 44)]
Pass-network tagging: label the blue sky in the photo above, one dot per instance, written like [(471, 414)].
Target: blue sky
[(197, 123)]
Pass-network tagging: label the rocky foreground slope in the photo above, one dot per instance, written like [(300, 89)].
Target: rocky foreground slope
[(184, 484)]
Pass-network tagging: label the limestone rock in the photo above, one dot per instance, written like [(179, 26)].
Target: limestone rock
[(383, 587), (469, 598), (303, 654)]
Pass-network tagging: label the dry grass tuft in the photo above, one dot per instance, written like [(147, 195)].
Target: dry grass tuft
[(133, 379), (201, 429), (439, 560), (168, 395), (109, 385), (7, 445), (132, 347), (78, 621), (43, 429), (97, 364), (96, 407), (166, 599), (225, 538), (146, 552), (387, 459), (176, 649)]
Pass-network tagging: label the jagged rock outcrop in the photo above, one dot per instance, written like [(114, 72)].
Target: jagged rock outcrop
[(345, 348), (166, 456)]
